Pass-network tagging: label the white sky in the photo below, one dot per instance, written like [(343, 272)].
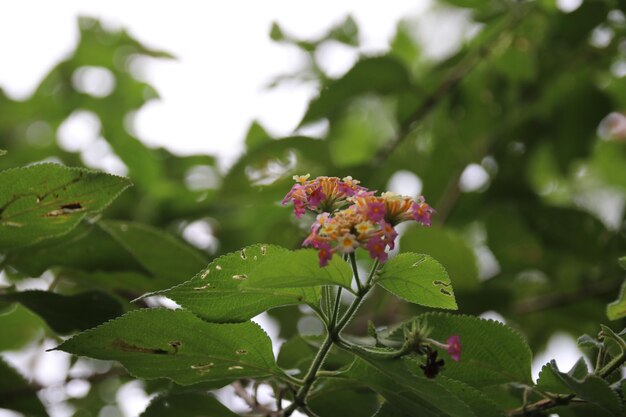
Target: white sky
[(225, 58)]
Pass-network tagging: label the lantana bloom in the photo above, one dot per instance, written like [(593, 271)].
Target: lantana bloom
[(350, 216)]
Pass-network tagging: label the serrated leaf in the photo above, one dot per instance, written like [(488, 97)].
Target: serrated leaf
[(300, 268), (492, 353), (176, 344), (591, 388), (64, 313), (617, 309), (215, 294), (187, 404), (409, 394), (158, 252), (579, 370), (418, 279), (46, 200), (17, 394), (480, 404)]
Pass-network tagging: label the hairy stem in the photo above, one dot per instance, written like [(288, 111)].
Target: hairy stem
[(332, 337), (543, 405)]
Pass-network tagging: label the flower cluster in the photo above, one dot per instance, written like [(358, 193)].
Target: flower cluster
[(350, 216)]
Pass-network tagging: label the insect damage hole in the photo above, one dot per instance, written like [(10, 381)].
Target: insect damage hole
[(175, 345), (204, 287), (203, 368), (64, 209)]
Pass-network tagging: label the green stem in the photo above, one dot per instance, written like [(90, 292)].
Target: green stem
[(357, 301), (356, 272), (612, 366), (377, 353), (332, 336), (335, 313)]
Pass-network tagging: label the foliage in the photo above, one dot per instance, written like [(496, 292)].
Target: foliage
[(533, 101)]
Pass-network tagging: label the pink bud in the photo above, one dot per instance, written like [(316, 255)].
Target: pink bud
[(454, 347)]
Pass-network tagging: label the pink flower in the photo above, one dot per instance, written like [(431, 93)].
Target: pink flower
[(422, 213), (454, 347), (375, 211), (390, 234), (298, 208), (316, 197), (376, 248), (325, 253)]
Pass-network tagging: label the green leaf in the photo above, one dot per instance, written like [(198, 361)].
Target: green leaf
[(19, 326), (17, 394), (176, 344), (158, 252), (492, 353), (256, 136), (450, 249), (382, 75), (276, 33), (300, 268), (591, 388), (187, 404), (480, 404), (46, 200), (418, 279), (215, 294), (387, 410), (335, 397), (617, 309), (408, 394), (65, 314), (86, 248), (622, 262)]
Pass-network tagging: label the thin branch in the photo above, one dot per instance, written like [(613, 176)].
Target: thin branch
[(535, 408), (252, 402)]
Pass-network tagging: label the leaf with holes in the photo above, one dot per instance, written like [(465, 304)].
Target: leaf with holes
[(418, 279), (216, 293), (46, 200), (300, 268), (492, 353), (176, 344)]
